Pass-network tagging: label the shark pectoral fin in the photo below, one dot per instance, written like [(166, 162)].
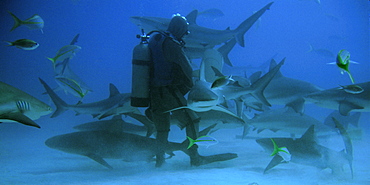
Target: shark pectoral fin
[(218, 108), (276, 160), (178, 108), (99, 160), (297, 105), (274, 130), (19, 117), (345, 107)]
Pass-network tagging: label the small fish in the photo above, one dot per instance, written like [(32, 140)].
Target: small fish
[(321, 51), (343, 62), (208, 141), (353, 89), (65, 52), (34, 22), (282, 151), (222, 81), (73, 84), (24, 44)]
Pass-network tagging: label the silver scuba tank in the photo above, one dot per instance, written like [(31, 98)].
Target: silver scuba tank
[(141, 61)]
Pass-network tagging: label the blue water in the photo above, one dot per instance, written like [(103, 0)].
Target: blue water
[(107, 38)]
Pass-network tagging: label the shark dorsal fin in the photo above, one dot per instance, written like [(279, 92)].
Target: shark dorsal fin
[(255, 76), (272, 65), (217, 72), (113, 90), (192, 17), (309, 136)]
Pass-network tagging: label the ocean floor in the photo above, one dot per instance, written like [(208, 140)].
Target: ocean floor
[(26, 160)]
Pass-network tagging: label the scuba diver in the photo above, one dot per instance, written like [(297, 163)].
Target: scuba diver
[(170, 78)]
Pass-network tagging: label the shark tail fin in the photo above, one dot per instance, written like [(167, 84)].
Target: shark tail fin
[(311, 49), (225, 50), (248, 23), (260, 85), (347, 142), (59, 103), (17, 21)]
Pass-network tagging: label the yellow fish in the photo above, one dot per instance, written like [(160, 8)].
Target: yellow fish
[(343, 62), (207, 141), (65, 52), (34, 22)]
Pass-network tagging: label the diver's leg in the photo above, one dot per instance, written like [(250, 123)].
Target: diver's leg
[(161, 120), (162, 124)]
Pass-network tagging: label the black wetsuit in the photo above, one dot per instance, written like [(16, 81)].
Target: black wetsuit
[(171, 79)]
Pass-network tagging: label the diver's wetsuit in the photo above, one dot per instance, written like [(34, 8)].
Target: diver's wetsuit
[(171, 79)]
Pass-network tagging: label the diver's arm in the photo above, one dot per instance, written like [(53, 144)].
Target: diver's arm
[(174, 53)]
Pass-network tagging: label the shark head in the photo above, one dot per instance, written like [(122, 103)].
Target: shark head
[(16, 105), (201, 97), (37, 109)]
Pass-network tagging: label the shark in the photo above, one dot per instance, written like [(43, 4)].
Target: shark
[(100, 144), (202, 37), (96, 109), (221, 119), (254, 91), (202, 98), (352, 119), (306, 151), (342, 100), (18, 106), (116, 123), (287, 91), (288, 121)]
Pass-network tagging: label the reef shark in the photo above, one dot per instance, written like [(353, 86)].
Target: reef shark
[(202, 98), (101, 144), (116, 123), (16, 105), (285, 91), (201, 37), (221, 119), (96, 109), (342, 99), (288, 121), (305, 150)]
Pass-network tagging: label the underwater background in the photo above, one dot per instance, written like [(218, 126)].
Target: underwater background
[(107, 37)]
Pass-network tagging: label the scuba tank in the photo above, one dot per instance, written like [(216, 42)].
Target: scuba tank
[(141, 62)]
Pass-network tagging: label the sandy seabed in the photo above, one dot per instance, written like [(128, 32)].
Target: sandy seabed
[(26, 160)]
